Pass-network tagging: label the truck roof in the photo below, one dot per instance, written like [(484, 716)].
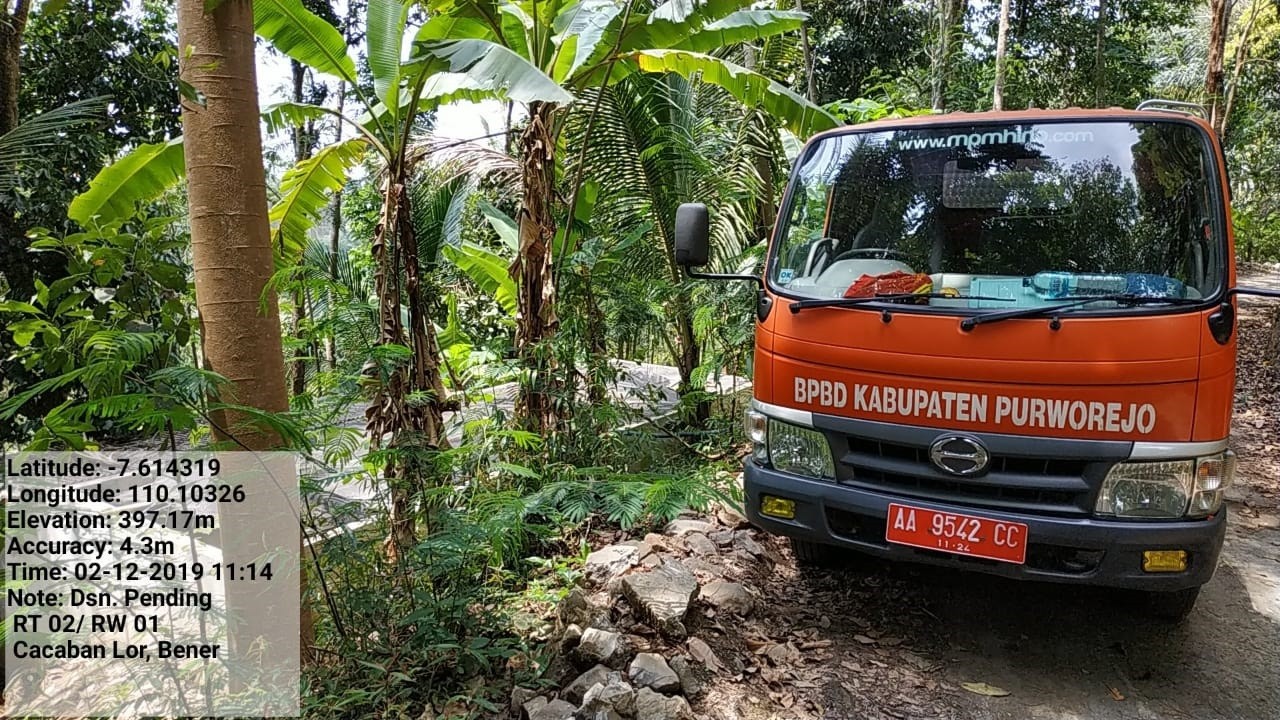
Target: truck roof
[(1034, 115)]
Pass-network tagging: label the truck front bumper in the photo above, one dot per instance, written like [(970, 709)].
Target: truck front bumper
[(1080, 550)]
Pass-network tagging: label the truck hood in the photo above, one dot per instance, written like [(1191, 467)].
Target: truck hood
[(1117, 378)]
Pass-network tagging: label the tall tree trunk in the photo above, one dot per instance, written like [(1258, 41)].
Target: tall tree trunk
[(13, 21), (597, 343), (1242, 53), (303, 140), (15, 271), (227, 192), (1002, 44), (1099, 54), (533, 271), (230, 236), (950, 24), (688, 360), (1219, 17), (811, 90), (335, 236)]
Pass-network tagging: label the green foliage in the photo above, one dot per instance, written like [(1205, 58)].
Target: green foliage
[(629, 499), (527, 56), (304, 195), (858, 43), (304, 36), (146, 173), (27, 143), (751, 89), (862, 110), (107, 335)]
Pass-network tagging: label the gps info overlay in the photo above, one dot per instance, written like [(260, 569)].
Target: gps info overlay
[(151, 584)]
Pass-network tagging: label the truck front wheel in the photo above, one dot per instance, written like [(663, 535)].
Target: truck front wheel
[(1173, 606)]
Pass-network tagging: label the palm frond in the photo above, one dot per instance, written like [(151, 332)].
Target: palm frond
[(24, 143)]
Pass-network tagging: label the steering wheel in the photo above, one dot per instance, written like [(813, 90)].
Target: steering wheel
[(877, 253)]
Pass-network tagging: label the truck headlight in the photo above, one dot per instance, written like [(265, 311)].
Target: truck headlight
[(1147, 489), (799, 450), (1166, 489)]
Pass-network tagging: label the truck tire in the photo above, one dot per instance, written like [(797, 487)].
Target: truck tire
[(1173, 607), (815, 554)]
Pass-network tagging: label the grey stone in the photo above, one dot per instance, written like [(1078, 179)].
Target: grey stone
[(602, 646), (690, 682), (533, 705), (613, 696), (576, 690), (728, 596), (663, 596), (569, 639), (611, 560), (730, 517), (652, 671), (723, 538), (652, 705), (656, 542), (577, 608), (743, 541), (554, 710), (684, 527), (702, 568), (699, 544), (520, 696), (703, 653)]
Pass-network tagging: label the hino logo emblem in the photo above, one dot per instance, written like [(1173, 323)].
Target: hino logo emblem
[(959, 455)]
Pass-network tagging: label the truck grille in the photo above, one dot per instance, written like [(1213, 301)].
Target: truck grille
[(1055, 486)]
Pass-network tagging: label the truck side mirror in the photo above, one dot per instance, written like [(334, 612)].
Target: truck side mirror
[(693, 238)]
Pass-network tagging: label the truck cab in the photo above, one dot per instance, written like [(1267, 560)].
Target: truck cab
[(1002, 342)]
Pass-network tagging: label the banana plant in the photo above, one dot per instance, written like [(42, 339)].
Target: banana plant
[(548, 54), (406, 408)]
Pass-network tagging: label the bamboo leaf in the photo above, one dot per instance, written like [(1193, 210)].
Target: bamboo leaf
[(144, 174), (304, 36)]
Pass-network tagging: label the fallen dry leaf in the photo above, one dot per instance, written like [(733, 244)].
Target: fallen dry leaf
[(864, 639), (1116, 694), (981, 688)]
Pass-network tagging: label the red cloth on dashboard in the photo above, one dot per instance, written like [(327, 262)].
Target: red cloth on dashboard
[(890, 284)]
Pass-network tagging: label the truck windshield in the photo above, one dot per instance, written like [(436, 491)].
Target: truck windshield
[(1010, 215)]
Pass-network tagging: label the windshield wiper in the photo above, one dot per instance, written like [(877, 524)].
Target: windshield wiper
[(1075, 301), (799, 305)]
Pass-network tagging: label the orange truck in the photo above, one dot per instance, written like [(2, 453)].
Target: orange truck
[(1002, 342)]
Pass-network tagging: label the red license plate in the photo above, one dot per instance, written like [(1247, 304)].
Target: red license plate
[(956, 533)]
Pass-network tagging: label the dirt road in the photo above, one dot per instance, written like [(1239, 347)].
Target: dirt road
[(904, 640)]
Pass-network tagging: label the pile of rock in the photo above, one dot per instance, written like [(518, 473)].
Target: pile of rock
[(626, 648)]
